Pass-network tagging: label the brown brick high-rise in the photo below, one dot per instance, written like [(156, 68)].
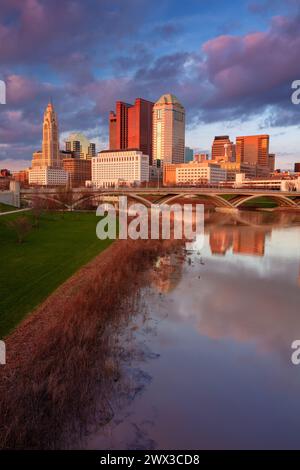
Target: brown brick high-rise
[(80, 170), (253, 149)]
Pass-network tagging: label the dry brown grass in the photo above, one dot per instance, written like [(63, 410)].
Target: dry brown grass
[(62, 354)]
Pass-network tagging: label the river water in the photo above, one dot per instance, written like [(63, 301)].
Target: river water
[(210, 364)]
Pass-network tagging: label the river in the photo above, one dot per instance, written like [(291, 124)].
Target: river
[(210, 360)]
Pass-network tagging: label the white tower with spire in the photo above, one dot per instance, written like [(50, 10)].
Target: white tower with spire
[(50, 147)]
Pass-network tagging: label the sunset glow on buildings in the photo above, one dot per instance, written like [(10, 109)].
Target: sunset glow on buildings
[(168, 130), (50, 144), (130, 127), (149, 232)]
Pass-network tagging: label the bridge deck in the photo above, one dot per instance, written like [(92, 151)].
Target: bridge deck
[(165, 190)]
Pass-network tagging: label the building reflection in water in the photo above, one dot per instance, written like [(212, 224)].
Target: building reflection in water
[(220, 241), (242, 240), (250, 241), (244, 234)]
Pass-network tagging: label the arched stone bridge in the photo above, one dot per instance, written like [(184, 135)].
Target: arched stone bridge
[(221, 198)]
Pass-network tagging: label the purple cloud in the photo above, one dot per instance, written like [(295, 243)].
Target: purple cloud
[(258, 64), (47, 50)]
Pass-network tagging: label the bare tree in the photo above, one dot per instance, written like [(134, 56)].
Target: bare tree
[(85, 201), (37, 207), (22, 226), (65, 197)]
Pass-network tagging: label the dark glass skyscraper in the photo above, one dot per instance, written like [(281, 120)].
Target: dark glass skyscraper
[(130, 127)]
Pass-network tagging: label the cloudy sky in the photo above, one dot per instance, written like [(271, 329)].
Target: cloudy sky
[(231, 63)]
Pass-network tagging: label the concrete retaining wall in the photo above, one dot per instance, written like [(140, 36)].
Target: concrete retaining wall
[(11, 197)]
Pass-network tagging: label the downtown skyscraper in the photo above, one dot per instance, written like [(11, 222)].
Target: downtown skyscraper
[(130, 127), (253, 149), (168, 130), (223, 149)]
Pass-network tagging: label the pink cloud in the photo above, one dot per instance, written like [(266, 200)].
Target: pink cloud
[(20, 88), (255, 63)]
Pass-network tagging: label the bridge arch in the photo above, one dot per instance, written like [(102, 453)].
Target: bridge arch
[(31, 197), (108, 193), (218, 200), (280, 198)]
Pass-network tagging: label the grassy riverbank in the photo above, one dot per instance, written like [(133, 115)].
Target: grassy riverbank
[(63, 360), (51, 253)]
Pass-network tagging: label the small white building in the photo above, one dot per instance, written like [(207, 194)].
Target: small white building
[(113, 168), (47, 176), (196, 172), (291, 185)]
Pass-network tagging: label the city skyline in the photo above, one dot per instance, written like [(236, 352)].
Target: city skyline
[(217, 72), (136, 127), (150, 229), (132, 130)]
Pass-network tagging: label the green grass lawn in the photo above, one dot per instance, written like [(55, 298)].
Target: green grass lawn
[(7, 207), (51, 253)]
